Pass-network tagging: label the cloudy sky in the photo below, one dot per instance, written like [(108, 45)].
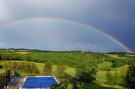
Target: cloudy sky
[(96, 25)]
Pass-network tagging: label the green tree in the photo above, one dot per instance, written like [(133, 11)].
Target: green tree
[(33, 69), (60, 70), (131, 76), (48, 68), (86, 73), (105, 66), (0, 66)]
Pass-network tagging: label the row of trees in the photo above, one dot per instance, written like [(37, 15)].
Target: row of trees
[(28, 68), (13, 56)]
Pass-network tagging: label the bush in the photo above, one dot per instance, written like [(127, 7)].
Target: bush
[(131, 76), (63, 85)]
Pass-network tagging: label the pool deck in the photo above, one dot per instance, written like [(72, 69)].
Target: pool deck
[(15, 86)]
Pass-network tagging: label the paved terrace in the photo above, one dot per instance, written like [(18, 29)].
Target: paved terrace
[(15, 86)]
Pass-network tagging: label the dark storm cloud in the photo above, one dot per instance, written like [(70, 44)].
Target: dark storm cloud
[(55, 35), (116, 17)]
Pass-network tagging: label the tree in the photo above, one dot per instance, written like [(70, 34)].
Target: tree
[(105, 66), (48, 68), (33, 69), (63, 85), (61, 69), (0, 66), (86, 73), (131, 76)]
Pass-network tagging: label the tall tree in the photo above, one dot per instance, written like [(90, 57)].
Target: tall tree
[(131, 76), (48, 68), (86, 73), (61, 69)]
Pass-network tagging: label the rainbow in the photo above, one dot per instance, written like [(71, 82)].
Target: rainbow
[(71, 22)]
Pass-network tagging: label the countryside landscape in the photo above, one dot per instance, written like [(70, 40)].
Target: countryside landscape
[(67, 44), (74, 69)]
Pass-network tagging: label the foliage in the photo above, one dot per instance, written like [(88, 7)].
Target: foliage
[(86, 73), (131, 76), (63, 85), (101, 76), (2, 80), (71, 58), (112, 67), (88, 86), (32, 68), (95, 86), (61, 69), (110, 77), (116, 76), (24, 67), (0, 66), (105, 66), (48, 68)]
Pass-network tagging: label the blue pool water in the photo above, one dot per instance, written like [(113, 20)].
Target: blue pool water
[(39, 82)]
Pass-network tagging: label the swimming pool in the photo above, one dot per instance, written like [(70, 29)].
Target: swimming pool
[(39, 82)]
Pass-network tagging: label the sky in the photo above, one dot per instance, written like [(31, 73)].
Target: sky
[(97, 25)]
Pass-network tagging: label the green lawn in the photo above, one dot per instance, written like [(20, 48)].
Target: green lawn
[(101, 76), (40, 66), (70, 71)]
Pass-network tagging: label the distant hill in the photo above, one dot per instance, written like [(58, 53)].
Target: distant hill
[(66, 57)]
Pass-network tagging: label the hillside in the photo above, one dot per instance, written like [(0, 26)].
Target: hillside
[(71, 58)]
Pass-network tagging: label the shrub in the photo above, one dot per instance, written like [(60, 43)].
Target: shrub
[(63, 85), (131, 76)]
